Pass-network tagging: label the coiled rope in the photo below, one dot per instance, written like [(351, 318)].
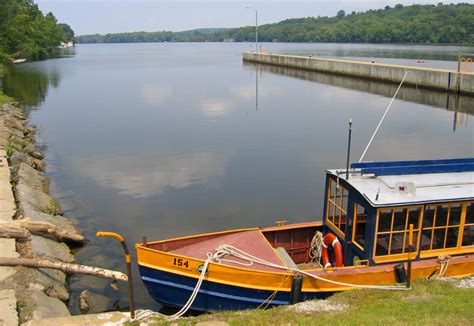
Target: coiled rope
[(316, 248)]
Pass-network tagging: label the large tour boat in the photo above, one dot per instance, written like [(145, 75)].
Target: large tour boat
[(381, 221)]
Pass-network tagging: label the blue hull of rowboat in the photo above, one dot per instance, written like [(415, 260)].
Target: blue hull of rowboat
[(174, 291)]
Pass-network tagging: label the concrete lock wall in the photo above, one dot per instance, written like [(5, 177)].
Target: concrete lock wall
[(439, 79)]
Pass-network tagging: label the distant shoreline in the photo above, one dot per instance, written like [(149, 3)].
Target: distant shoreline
[(415, 24), (263, 42)]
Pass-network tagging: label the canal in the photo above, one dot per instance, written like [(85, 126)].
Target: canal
[(164, 140)]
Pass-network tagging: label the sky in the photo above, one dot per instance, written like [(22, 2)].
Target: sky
[(111, 16)]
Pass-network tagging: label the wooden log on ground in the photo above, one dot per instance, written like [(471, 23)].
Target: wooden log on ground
[(43, 227), (8, 230), (65, 267)]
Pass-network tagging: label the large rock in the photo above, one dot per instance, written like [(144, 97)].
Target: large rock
[(52, 281), (32, 178), (33, 151), (37, 199), (17, 158), (18, 141), (38, 164), (14, 123), (7, 107), (61, 222), (30, 130), (49, 249), (16, 133), (91, 302), (47, 307)]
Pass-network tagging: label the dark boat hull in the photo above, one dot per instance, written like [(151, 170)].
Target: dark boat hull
[(174, 290)]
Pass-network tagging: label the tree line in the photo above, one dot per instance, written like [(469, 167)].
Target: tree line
[(26, 33), (426, 24)]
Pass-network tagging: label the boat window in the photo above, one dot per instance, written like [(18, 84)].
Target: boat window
[(337, 206), (360, 223), (441, 227), (468, 233), (393, 226)]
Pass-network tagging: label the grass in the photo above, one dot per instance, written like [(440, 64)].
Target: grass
[(10, 149), (4, 99), (428, 303), (52, 208)]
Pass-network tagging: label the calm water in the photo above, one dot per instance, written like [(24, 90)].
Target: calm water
[(166, 140)]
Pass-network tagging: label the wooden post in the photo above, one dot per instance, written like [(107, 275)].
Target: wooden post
[(410, 249)]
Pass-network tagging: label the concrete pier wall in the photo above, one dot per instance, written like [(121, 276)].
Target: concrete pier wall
[(438, 79)]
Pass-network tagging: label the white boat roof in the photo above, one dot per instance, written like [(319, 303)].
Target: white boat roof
[(411, 189)]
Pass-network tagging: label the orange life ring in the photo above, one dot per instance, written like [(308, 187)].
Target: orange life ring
[(331, 240)]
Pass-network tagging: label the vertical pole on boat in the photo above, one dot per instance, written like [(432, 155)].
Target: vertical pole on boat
[(296, 285), (410, 249), (348, 149), (129, 268)]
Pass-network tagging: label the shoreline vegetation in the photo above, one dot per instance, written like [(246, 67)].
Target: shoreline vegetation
[(26, 33), (429, 302), (415, 24)]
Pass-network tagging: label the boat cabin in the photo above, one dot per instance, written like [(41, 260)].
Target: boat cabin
[(371, 208)]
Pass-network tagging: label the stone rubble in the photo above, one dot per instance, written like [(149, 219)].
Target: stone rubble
[(316, 306), (28, 293)]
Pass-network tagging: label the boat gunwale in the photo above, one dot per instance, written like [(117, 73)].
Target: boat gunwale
[(264, 229), (339, 271), (328, 271)]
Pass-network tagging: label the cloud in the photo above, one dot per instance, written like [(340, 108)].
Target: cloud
[(151, 176)]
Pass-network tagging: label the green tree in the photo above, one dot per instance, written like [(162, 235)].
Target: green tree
[(25, 32)]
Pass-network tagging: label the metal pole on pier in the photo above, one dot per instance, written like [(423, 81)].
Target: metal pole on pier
[(256, 28)]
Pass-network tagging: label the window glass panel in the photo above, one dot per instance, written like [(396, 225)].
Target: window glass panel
[(470, 213), (344, 199), (428, 216), (397, 243), (392, 238), (426, 239), (360, 225), (441, 215), (332, 188), (382, 244), (385, 220), (468, 236), (455, 214), (438, 238), (400, 219), (452, 238), (413, 217), (337, 205)]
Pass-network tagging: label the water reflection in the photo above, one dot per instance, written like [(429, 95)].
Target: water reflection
[(457, 103), (29, 84), (216, 107), (156, 95), (150, 176)]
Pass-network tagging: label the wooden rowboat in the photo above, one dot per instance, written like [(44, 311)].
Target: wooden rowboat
[(374, 212)]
